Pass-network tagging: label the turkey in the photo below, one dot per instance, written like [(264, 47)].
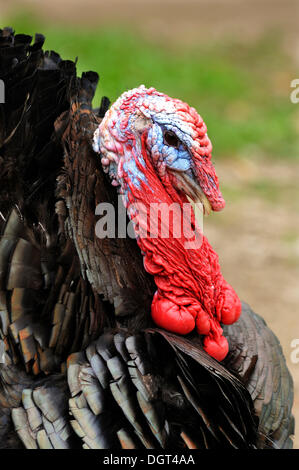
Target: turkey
[(118, 343)]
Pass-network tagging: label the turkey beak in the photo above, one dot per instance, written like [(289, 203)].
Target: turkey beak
[(190, 186)]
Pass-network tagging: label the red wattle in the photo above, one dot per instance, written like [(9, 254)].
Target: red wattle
[(203, 323), (217, 348), (228, 305), (171, 316)]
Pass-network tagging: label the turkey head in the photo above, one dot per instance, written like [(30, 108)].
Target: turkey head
[(156, 150)]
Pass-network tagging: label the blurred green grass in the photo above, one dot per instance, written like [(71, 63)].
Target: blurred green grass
[(242, 91)]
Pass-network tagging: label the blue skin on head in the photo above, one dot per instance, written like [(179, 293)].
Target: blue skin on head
[(176, 158)]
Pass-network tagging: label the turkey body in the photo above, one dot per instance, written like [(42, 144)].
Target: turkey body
[(84, 366)]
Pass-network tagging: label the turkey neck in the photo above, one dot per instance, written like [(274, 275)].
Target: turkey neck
[(182, 266)]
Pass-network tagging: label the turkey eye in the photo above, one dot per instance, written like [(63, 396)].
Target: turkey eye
[(171, 139)]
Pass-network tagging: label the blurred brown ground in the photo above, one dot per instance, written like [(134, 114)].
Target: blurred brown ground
[(257, 236), (257, 239)]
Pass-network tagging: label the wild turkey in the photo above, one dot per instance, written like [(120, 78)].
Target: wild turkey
[(84, 363)]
